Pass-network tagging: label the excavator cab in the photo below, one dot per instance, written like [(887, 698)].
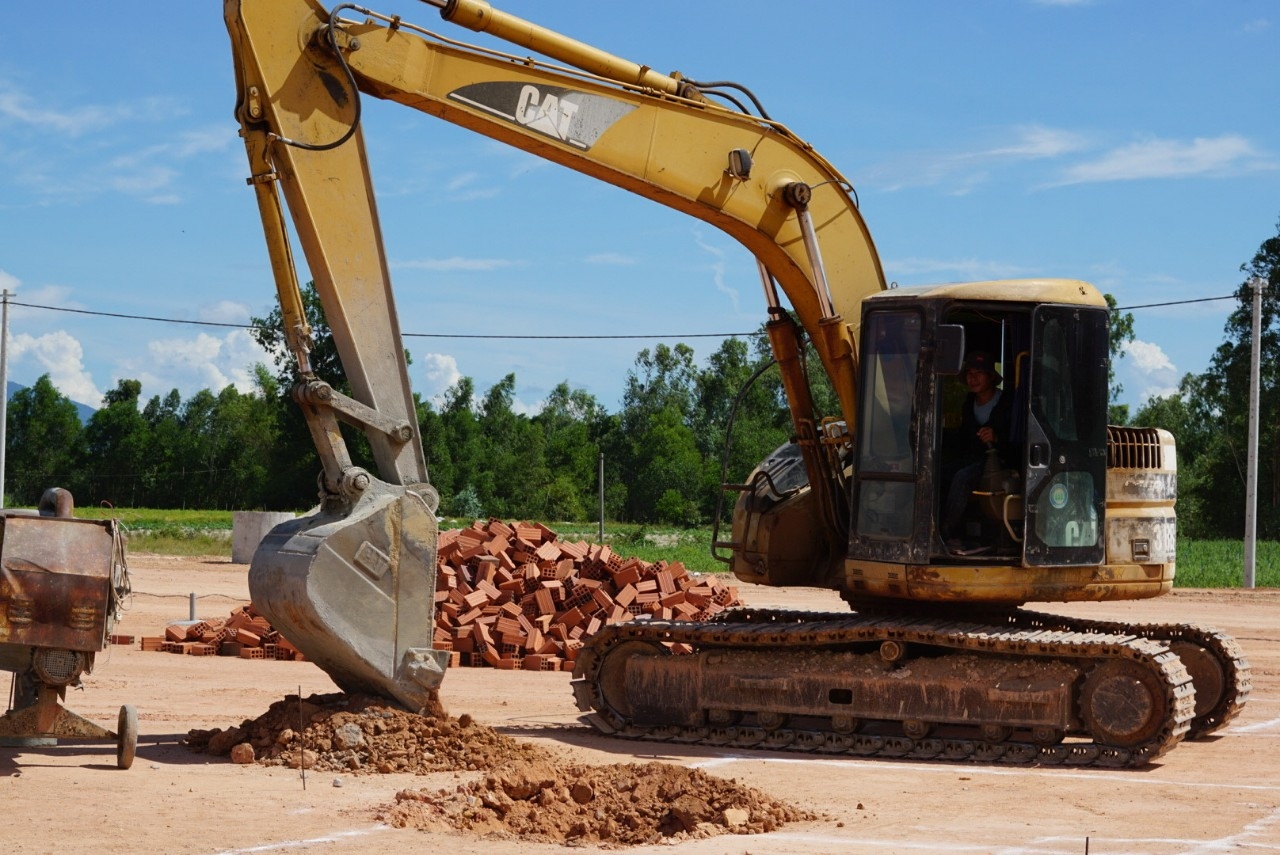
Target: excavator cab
[(1040, 501)]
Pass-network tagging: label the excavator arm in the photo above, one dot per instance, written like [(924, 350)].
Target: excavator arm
[(352, 586)]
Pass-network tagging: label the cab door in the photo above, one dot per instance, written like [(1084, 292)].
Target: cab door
[(892, 491), (1066, 453)]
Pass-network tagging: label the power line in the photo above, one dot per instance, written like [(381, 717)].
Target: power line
[(130, 317), (403, 334), (1175, 303), (614, 337), (546, 337)]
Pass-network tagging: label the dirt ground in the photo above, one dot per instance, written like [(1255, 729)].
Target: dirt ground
[(1220, 795)]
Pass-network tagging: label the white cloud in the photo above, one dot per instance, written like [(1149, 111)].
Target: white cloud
[(42, 295), (60, 355), (461, 181), (462, 188), (440, 371), (21, 108), (1148, 357), (964, 170), (213, 138), (204, 362), (224, 312), (954, 270), (48, 154), (520, 408), (454, 263), (1229, 154), (1147, 371), (1226, 154), (611, 258), (717, 269), (1033, 142)]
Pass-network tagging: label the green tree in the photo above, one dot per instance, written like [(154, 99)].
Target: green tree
[(571, 423), (1120, 333), (169, 452), (509, 458), (117, 442), (657, 451), (460, 433), (737, 420), (1209, 417), (44, 442), (1187, 415), (1226, 385), (268, 332), (241, 437)]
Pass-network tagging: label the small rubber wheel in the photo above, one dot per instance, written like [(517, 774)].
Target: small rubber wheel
[(126, 736)]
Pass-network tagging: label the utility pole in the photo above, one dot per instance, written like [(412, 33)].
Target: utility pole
[(4, 386), (1251, 476), (600, 481)]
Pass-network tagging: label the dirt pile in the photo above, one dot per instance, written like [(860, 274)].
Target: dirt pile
[(618, 804), (358, 734), (525, 791)]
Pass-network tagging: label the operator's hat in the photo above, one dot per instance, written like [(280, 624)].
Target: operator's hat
[(982, 361)]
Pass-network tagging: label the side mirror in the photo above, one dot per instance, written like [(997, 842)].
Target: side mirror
[(949, 351)]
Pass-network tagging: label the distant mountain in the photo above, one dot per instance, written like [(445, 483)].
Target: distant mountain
[(85, 411)]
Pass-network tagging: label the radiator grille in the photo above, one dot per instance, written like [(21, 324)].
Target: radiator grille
[(1134, 448)]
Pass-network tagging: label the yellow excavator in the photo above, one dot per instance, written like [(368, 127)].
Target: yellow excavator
[(936, 658)]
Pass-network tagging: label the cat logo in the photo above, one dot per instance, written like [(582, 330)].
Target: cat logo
[(547, 114), (572, 117)]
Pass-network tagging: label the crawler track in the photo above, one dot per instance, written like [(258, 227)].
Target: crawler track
[(1214, 659), (1089, 673)]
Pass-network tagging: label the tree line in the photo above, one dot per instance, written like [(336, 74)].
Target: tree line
[(1209, 412), (664, 450)]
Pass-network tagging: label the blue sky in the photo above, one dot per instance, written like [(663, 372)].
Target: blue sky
[(1134, 145)]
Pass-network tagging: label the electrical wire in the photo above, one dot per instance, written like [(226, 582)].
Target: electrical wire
[(403, 334), (651, 336), (1175, 303)]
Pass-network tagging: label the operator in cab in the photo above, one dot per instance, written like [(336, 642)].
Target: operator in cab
[(985, 418)]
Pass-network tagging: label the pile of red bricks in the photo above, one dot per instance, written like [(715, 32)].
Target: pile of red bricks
[(510, 596), (515, 596), (245, 633)]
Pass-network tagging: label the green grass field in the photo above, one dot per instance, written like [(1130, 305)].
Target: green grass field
[(1220, 564), (1201, 563)]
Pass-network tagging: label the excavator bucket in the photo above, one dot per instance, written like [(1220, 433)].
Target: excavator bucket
[(355, 593)]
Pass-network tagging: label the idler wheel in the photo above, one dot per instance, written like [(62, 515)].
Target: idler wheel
[(612, 678), (1207, 675), (1120, 703)]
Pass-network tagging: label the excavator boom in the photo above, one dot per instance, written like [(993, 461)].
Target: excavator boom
[(352, 585)]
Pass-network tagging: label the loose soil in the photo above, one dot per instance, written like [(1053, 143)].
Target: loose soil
[(512, 771), (527, 792)]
